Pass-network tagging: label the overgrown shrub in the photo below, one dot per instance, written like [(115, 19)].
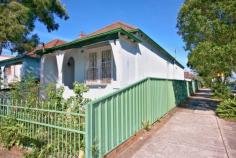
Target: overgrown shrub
[(221, 91), (10, 132), (227, 109), (28, 92)]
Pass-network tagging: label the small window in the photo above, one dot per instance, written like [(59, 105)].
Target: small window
[(106, 66), (92, 72)]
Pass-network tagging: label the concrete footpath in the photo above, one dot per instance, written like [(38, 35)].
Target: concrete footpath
[(192, 132)]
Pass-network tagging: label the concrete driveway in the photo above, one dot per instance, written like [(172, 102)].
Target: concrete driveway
[(192, 132)]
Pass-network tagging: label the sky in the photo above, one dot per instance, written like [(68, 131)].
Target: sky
[(157, 18)]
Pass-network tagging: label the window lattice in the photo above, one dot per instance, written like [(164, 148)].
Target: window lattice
[(106, 63), (92, 72)]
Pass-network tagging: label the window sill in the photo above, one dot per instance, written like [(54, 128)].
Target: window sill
[(97, 84)]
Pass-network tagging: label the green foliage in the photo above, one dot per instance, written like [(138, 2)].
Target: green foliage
[(220, 91), (78, 101), (10, 132), (54, 97), (26, 90), (227, 109), (95, 149), (17, 20), (42, 152), (146, 125), (208, 28)]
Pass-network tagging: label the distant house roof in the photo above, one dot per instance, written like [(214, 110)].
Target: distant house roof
[(53, 43), (31, 54), (4, 57), (107, 33), (7, 56), (188, 75)]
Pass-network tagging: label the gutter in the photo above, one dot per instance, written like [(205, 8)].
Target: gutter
[(160, 48), (77, 42)]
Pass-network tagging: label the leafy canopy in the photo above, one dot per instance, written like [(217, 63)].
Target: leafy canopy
[(208, 28), (17, 21)]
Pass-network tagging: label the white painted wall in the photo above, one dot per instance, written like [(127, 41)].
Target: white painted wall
[(151, 62), (13, 76), (48, 72), (132, 62)]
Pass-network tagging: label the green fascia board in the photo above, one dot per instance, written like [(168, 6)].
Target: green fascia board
[(113, 34), (162, 49), (16, 60), (11, 61)]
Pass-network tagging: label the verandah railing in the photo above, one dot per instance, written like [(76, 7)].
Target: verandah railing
[(63, 131), (112, 119)]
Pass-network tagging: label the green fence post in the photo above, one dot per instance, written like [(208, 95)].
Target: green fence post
[(8, 104), (88, 131)]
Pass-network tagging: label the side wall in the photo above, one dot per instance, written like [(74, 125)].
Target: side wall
[(137, 61), (158, 64)]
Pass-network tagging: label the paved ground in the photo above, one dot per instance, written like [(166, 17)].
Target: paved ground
[(13, 153), (192, 132)]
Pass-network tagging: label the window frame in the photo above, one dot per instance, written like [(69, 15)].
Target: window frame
[(99, 63)]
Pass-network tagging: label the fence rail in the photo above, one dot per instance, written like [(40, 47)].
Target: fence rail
[(63, 131)]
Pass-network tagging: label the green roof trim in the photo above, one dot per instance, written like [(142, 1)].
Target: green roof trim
[(162, 49), (113, 34), (109, 35), (11, 61), (15, 60)]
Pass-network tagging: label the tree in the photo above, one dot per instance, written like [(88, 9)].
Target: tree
[(17, 21), (208, 28)]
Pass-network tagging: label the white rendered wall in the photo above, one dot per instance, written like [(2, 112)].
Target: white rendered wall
[(157, 65), (132, 62), (48, 72), (14, 76)]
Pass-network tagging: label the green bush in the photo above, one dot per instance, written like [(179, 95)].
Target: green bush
[(227, 109), (220, 91), (10, 132), (26, 90)]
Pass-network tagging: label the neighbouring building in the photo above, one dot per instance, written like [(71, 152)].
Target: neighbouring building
[(106, 60), (188, 76), (14, 69), (4, 57)]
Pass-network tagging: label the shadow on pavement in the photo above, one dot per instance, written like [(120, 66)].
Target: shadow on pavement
[(201, 101)]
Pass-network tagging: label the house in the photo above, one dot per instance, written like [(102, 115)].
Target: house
[(188, 76), (106, 60), (15, 68), (4, 57)]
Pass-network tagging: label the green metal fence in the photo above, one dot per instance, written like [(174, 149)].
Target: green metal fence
[(64, 131), (112, 119), (107, 122)]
